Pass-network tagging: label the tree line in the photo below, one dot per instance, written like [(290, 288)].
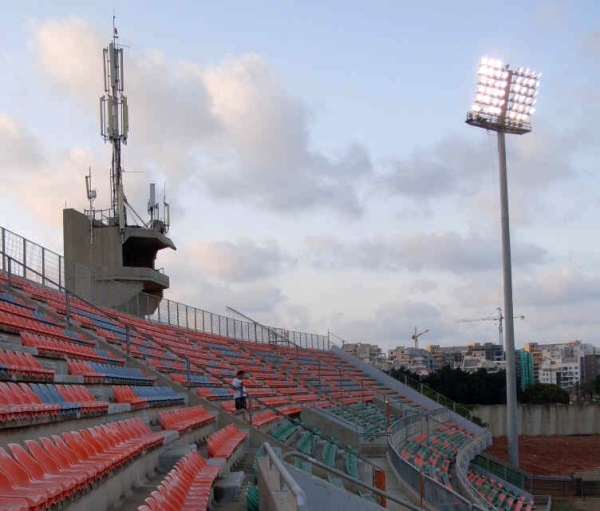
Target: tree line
[(481, 387)]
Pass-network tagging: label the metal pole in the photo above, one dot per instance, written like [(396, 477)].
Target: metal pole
[(43, 266), (509, 332), (24, 258), (127, 340), (9, 267), (189, 375), (3, 242), (68, 307)]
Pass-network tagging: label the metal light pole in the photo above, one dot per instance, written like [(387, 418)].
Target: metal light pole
[(504, 104)]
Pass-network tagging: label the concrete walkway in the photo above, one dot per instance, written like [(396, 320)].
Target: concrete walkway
[(392, 484)]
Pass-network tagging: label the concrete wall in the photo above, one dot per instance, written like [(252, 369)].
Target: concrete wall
[(544, 419), (322, 495), (343, 431)]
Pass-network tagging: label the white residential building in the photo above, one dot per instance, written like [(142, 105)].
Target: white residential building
[(561, 363)]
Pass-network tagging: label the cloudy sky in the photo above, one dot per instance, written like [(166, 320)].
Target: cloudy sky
[(316, 158)]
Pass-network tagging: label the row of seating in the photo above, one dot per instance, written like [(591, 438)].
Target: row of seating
[(50, 472), (285, 431), (30, 401), (497, 494), (187, 487), (94, 372), (18, 402), (50, 346), (18, 323), (124, 394), (264, 417), (82, 368), (214, 392), (185, 419), (142, 396), (223, 443), (22, 365)]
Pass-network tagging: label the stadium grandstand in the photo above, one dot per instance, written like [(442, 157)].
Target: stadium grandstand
[(103, 409), (114, 398)]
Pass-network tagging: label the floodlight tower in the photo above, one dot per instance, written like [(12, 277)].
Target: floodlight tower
[(114, 125), (504, 104)]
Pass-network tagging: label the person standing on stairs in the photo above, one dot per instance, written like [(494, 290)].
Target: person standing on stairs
[(239, 392)]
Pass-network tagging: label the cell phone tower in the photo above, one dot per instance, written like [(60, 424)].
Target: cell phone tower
[(120, 257), (114, 125)]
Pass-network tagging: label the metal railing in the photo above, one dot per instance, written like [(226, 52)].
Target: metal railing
[(428, 490), (46, 267), (285, 480), (358, 482), (463, 461)]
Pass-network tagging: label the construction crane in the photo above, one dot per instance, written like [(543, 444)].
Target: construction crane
[(499, 317), (415, 337)]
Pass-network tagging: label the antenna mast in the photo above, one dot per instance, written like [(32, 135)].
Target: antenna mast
[(91, 195), (114, 125)]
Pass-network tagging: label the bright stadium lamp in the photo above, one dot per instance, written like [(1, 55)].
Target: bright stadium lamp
[(504, 103)]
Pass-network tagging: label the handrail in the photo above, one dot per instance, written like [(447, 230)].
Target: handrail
[(403, 423), (339, 473), (463, 458), (287, 478), (22, 250), (134, 329)]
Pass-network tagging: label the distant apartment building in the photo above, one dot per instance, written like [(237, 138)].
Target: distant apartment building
[(590, 368), (415, 359), (369, 353), (471, 357), (446, 355), (475, 362), (524, 369), (561, 364)]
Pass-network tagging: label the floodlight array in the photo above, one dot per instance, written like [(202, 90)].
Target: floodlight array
[(505, 94), (523, 92)]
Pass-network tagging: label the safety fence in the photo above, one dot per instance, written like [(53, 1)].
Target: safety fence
[(463, 462), (44, 266), (584, 485), (428, 490)]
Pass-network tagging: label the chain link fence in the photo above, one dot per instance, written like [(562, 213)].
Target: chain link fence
[(47, 267)]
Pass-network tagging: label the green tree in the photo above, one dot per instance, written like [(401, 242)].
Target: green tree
[(480, 387), (596, 385), (545, 393)]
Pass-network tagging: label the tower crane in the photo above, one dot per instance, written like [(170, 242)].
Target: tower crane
[(415, 336), (499, 317)]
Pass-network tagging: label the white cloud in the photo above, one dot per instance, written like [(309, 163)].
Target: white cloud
[(244, 261), (43, 183), (269, 132), (565, 286), (393, 323), (20, 151), (416, 251), (457, 167), (215, 275), (70, 54), (229, 128)]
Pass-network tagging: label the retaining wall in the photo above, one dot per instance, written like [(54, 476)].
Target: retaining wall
[(544, 419)]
